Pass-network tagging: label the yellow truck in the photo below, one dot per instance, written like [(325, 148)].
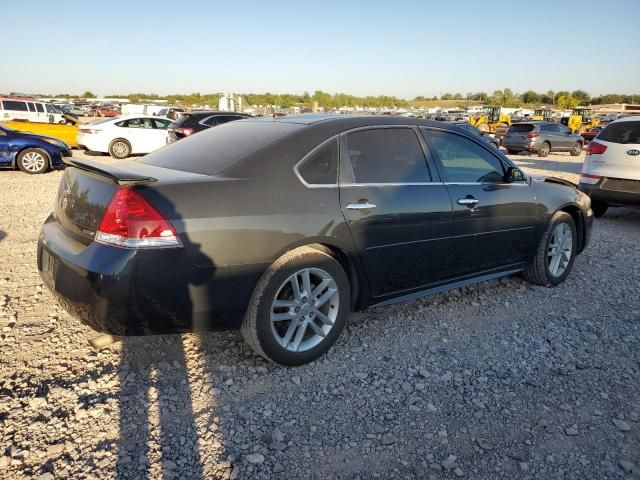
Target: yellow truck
[(67, 133), (580, 120)]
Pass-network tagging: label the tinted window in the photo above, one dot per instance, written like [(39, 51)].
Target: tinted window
[(621, 132), (51, 108), (183, 120), (32, 106), (215, 149), (562, 129), (386, 155), (521, 128), (39, 107), (211, 121), (550, 128), (13, 105), (321, 168), (464, 160)]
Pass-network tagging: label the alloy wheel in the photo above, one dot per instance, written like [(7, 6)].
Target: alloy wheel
[(120, 149), (33, 161), (304, 309), (560, 249)]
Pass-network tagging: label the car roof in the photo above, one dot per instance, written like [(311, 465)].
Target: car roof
[(630, 118), (209, 113), (345, 122)]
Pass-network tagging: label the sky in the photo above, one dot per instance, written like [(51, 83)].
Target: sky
[(403, 47)]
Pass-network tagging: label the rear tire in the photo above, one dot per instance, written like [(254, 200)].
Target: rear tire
[(33, 161), (119, 148), (576, 149), (272, 330), (544, 149), (599, 208), (543, 269), (512, 152)]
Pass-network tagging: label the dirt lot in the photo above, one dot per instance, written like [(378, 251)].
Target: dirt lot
[(502, 380)]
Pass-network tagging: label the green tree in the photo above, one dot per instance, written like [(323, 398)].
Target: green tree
[(582, 96), (447, 96), (419, 98), (567, 102), (88, 94), (457, 96), (530, 97)]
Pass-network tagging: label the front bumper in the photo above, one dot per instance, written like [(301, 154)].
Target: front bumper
[(124, 292), (57, 157), (614, 191)]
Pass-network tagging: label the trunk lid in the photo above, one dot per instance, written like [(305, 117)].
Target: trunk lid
[(87, 187)]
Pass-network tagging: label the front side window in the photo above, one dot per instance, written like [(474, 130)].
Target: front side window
[(15, 106), (39, 108), (50, 108), (463, 160), (321, 167), (386, 155), (161, 124), (136, 123)]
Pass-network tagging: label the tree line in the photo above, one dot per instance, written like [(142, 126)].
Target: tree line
[(562, 99), (506, 98)]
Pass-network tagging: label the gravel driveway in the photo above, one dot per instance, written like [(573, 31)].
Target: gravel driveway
[(501, 380)]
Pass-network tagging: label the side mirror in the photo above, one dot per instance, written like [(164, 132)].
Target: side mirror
[(513, 175)]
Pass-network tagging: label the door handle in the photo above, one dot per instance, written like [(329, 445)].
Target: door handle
[(469, 202), (360, 206)]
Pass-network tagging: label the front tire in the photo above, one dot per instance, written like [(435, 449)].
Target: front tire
[(119, 148), (33, 161), (556, 252), (544, 149), (299, 308), (510, 151)]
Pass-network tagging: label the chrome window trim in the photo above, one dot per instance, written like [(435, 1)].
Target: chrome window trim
[(309, 154), (394, 184)]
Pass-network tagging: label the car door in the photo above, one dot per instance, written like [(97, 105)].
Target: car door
[(160, 127), (5, 136), (139, 133), (493, 220), (565, 138), (397, 209)]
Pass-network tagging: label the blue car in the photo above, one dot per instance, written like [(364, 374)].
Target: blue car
[(29, 152)]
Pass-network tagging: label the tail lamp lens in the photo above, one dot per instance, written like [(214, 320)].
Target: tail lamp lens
[(130, 221)]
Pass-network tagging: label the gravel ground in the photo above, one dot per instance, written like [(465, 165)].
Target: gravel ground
[(501, 380)]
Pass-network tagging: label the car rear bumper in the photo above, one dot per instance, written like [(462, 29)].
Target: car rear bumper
[(614, 191), (519, 144), (124, 292)]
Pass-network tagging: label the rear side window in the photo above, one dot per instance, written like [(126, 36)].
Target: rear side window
[(521, 128), (16, 106), (321, 167), (32, 107), (161, 124), (184, 119), (39, 107), (550, 128), (386, 155), (621, 132), (464, 160), (211, 121)]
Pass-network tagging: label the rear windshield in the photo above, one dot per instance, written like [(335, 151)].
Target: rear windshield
[(184, 118), (211, 151), (621, 132), (521, 128)]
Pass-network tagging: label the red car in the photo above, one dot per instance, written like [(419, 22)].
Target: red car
[(106, 112), (591, 133)]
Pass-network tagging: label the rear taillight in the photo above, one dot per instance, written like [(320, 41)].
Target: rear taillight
[(590, 179), (130, 221), (88, 130), (595, 148), (532, 135), (184, 131)]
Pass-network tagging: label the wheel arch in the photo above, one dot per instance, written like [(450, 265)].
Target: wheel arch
[(14, 162), (576, 215)]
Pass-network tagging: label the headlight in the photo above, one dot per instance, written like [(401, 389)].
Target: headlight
[(55, 142)]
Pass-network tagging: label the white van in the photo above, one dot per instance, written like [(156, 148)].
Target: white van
[(29, 110)]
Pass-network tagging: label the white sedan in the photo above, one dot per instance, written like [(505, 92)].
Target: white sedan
[(124, 136)]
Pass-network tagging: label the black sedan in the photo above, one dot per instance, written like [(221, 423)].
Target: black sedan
[(281, 227)]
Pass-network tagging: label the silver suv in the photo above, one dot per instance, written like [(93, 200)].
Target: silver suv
[(542, 138)]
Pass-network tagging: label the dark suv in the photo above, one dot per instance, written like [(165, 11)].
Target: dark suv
[(195, 121), (542, 138)]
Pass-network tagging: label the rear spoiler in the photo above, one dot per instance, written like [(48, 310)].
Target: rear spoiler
[(117, 175)]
